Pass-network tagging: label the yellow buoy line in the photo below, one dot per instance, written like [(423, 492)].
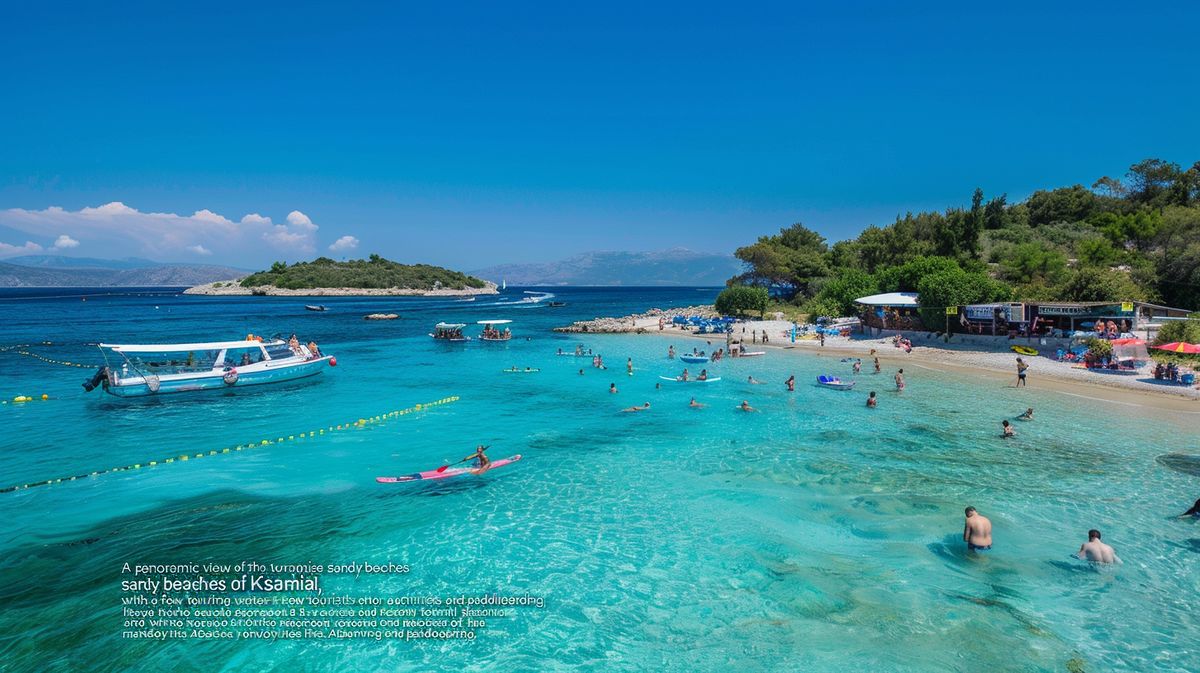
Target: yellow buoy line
[(26, 398), (52, 361), (360, 423)]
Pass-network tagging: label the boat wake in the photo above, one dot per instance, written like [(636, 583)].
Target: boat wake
[(535, 298)]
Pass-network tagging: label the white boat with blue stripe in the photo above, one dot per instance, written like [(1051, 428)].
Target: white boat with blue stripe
[(138, 370)]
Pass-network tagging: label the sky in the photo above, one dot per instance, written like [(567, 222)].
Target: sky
[(470, 134)]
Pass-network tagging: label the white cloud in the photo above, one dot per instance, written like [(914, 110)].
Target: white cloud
[(64, 242), (300, 221), (119, 230), (344, 244), (8, 250)]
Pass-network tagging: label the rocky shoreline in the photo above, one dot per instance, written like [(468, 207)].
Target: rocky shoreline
[(232, 288), (638, 322)]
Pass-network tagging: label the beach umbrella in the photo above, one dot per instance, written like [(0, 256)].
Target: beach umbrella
[(1179, 347)]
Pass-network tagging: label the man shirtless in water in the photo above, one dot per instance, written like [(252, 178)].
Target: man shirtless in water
[(977, 531), (1096, 551)]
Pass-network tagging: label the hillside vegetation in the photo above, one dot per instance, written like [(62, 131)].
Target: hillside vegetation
[(373, 273), (1136, 238)]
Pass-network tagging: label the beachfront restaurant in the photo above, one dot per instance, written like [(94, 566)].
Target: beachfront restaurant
[(1064, 319), (890, 311)]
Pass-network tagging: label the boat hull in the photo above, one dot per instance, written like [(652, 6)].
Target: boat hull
[(216, 380)]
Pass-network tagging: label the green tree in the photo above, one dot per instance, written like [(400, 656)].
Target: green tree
[(1150, 179), (1094, 284), (1096, 252), (838, 294), (791, 260), (1187, 331), (955, 287), (1030, 263), (1065, 204), (739, 300), (907, 276)]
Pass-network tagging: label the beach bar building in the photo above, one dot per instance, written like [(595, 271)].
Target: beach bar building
[(890, 311), (1062, 319)]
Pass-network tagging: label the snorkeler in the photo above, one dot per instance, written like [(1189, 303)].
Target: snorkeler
[(977, 531), (1096, 551)]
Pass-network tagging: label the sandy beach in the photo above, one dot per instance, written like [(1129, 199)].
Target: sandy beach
[(931, 353)]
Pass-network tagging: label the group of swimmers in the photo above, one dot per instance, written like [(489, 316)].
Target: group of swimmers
[(977, 533)]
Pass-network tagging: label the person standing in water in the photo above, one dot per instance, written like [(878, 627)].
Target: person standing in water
[(877, 368), (871, 400), (629, 366), (1006, 429), (1096, 551), (791, 383), (1021, 367), (977, 531), (671, 352), (858, 366), (900, 381), (612, 387)]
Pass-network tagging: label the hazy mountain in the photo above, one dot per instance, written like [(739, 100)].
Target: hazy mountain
[(677, 266), (57, 271)]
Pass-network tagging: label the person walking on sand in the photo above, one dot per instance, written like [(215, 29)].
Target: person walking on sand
[(1021, 367), (900, 381), (872, 402), (1096, 551), (791, 383), (977, 531)]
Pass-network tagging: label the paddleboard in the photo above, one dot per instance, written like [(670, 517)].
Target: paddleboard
[(752, 354), (430, 475), (520, 371), (1024, 350), (710, 379)]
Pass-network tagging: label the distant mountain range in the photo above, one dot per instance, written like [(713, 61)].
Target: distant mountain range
[(677, 266), (61, 271)]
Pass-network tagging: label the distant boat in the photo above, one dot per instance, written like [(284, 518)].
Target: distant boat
[(503, 284), (450, 331), (492, 333), (312, 307), (557, 304)]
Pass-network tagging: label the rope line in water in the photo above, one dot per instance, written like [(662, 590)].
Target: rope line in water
[(52, 361), (360, 423)]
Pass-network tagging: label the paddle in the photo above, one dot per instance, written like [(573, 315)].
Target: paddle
[(444, 467)]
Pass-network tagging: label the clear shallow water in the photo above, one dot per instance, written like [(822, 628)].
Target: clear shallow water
[(815, 535)]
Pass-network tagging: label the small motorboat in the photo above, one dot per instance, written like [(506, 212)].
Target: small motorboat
[(826, 381), (557, 304), (315, 307)]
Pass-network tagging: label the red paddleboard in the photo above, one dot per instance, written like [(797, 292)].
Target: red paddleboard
[(430, 475)]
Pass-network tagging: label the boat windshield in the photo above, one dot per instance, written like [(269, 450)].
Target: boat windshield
[(177, 362), (240, 357), (279, 351)]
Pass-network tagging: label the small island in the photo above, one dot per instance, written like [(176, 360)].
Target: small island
[(324, 277)]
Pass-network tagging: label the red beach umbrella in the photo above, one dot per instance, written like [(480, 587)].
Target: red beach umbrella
[(1179, 347), (1127, 342)]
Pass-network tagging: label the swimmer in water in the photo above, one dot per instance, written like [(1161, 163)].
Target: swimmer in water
[(671, 352), (629, 366), (751, 380), (791, 383), (612, 387), (745, 406), (858, 366), (1096, 551), (1008, 430), (581, 372), (1028, 415), (696, 405), (1194, 511), (877, 369), (977, 531), (641, 408), (871, 400)]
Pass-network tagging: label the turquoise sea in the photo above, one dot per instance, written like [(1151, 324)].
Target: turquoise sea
[(815, 535)]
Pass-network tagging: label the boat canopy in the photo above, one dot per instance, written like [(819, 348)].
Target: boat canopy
[(493, 322), (889, 299), (178, 348), (450, 325)]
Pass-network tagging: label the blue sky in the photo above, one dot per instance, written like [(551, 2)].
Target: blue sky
[(467, 134)]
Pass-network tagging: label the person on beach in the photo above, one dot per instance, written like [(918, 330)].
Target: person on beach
[(641, 408), (1095, 551), (900, 381), (745, 406), (791, 383), (1028, 415), (612, 387), (977, 531), (1007, 430), (822, 338), (872, 402), (765, 336), (752, 381), (482, 463), (858, 366), (877, 367), (670, 352), (1021, 367), (695, 405)]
